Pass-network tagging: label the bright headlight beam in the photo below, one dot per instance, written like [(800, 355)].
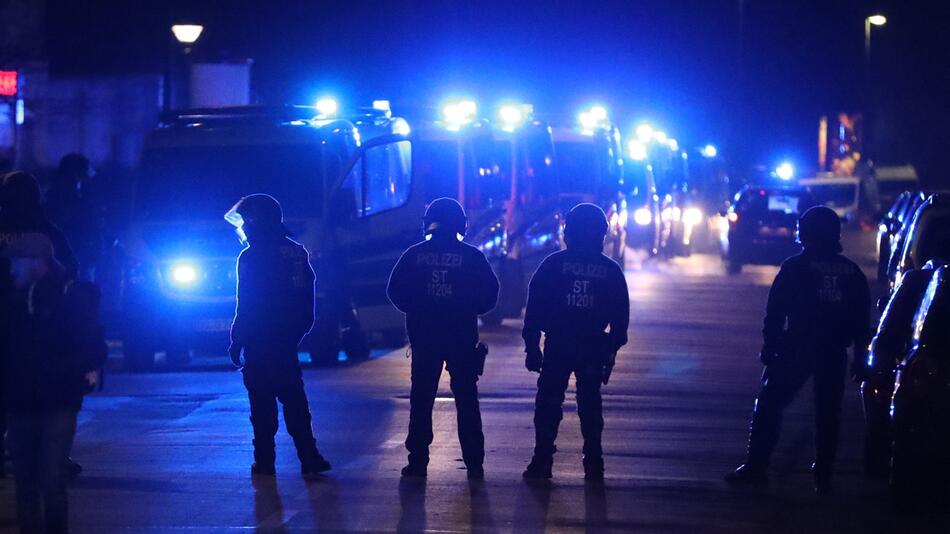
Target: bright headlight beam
[(642, 216)]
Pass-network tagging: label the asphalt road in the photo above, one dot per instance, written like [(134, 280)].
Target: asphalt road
[(170, 452)]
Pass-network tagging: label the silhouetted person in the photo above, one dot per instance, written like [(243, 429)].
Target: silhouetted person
[(818, 305), (74, 206), (443, 285), (50, 362), (578, 298), (274, 312), (21, 213)]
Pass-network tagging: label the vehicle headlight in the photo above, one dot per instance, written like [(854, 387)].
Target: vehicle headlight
[(184, 273), (692, 216), (642, 216)]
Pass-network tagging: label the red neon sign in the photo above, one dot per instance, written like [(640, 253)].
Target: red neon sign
[(8, 83)]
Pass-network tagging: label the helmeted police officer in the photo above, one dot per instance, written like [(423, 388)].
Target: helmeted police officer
[(274, 312), (818, 305), (578, 298), (443, 285)]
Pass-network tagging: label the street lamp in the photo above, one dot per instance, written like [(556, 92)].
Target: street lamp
[(187, 34), (185, 37)]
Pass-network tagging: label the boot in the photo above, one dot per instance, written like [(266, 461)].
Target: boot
[(823, 485), (313, 468), (594, 468), (414, 470), (748, 475), (538, 469), (262, 469), (475, 473)]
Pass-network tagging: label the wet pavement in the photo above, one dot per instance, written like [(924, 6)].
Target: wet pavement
[(170, 452)]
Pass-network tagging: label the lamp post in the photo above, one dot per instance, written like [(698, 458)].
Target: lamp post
[(873, 20), (185, 36), (869, 22)]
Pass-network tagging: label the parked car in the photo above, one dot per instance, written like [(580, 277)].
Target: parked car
[(890, 346), (926, 238), (921, 456), (891, 226)]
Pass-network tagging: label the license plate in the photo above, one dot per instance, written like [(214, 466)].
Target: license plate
[(213, 325)]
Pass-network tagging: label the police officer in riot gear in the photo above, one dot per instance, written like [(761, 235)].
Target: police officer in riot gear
[(274, 312), (818, 305), (443, 285), (578, 298)]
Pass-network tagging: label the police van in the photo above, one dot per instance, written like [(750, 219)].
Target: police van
[(590, 169), (177, 286)]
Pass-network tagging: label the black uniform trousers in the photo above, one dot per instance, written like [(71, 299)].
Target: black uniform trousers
[(427, 365), (559, 364), (273, 374), (781, 381)]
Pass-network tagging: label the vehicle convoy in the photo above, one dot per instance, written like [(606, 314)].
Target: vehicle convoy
[(590, 169), (760, 225), (892, 225), (667, 211), (178, 278), (501, 174), (920, 463), (926, 237)]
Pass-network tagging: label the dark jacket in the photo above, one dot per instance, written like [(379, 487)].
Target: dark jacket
[(54, 339), (274, 294), (443, 285), (819, 302), (574, 297), (12, 228)]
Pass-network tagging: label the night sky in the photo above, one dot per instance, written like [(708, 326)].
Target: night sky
[(756, 87)]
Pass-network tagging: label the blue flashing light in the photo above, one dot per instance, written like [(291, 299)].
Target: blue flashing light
[(511, 116), (710, 151), (184, 274), (458, 113), (592, 119), (327, 107), (644, 133), (785, 171)]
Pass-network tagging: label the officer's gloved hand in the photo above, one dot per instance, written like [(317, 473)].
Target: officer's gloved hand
[(235, 352), (533, 359), (767, 357)]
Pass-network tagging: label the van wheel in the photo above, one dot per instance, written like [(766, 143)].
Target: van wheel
[(138, 354)]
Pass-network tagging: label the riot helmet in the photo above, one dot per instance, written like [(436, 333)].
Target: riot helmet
[(820, 228), (444, 216), (258, 216), (585, 227)]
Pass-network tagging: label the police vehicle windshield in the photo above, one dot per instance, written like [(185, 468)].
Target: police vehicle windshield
[(576, 164), (202, 182), (436, 163)]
